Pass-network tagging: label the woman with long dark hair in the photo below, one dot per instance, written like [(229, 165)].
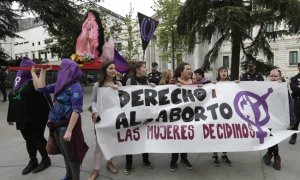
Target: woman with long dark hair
[(107, 78), (138, 77), (182, 76)]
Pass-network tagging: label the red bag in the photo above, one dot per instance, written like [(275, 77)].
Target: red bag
[(52, 147)]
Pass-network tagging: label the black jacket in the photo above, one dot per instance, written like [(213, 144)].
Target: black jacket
[(252, 77), (28, 106), (154, 77)]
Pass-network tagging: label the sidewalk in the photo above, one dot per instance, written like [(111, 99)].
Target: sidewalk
[(246, 165)]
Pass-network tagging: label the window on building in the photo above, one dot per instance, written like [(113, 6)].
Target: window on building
[(270, 27), (270, 61), (39, 43), (293, 57), (249, 32), (33, 55), (32, 44), (119, 46), (226, 61)]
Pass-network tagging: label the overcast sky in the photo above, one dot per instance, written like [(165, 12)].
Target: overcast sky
[(122, 7)]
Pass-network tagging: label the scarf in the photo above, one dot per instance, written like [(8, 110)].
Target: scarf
[(69, 73), (23, 76)]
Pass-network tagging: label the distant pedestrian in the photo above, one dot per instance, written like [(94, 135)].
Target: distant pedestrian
[(2, 83), (295, 87)]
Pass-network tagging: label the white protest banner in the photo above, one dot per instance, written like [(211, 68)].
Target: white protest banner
[(221, 117)]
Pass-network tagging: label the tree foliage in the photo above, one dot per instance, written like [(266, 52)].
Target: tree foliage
[(130, 49), (168, 39), (232, 20)]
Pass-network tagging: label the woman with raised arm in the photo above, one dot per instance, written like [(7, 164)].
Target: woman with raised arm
[(29, 109), (64, 118)]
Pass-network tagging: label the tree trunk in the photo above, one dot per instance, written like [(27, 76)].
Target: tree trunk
[(236, 38)]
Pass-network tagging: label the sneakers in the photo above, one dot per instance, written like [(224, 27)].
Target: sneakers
[(215, 160), (226, 160), (94, 175), (293, 139), (186, 164), (31, 166), (277, 162), (43, 165), (127, 170), (111, 167), (267, 158), (148, 164), (173, 167)]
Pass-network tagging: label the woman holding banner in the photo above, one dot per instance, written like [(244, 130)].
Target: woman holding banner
[(165, 77), (275, 75), (139, 77), (107, 78), (182, 76), (221, 77)]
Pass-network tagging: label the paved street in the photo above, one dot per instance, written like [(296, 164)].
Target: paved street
[(246, 165)]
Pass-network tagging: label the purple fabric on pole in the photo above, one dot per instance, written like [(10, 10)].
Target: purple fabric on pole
[(147, 28), (23, 76), (69, 72), (120, 62)]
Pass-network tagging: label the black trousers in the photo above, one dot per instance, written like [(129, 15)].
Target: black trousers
[(35, 141), (274, 149), (175, 157), (297, 113), (3, 90), (129, 159)]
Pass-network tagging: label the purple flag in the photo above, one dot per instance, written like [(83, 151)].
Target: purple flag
[(120, 62), (147, 28)]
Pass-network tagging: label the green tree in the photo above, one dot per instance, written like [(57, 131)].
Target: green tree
[(231, 20), (130, 49), (168, 38)]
